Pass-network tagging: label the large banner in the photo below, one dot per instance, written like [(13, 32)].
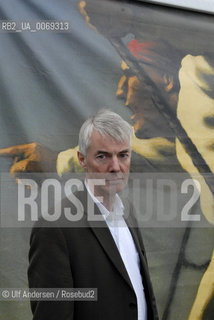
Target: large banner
[(61, 61)]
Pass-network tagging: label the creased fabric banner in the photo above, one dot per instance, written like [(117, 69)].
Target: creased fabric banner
[(61, 61)]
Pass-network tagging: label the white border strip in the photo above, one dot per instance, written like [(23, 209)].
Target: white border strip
[(206, 6)]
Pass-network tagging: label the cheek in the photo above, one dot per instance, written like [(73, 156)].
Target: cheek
[(126, 166), (99, 166)]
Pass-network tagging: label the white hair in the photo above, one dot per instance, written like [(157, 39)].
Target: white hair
[(105, 122)]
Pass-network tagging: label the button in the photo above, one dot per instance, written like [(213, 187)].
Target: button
[(132, 305)]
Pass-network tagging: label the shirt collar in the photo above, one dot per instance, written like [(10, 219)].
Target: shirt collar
[(118, 205)]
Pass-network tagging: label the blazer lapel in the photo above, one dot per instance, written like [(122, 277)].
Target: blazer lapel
[(132, 224), (104, 237)]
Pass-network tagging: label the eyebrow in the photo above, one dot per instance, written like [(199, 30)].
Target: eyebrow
[(125, 151), (101, 151), (105, 152)]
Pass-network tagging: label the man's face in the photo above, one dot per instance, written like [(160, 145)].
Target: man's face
[(148, 122), (107, 159)]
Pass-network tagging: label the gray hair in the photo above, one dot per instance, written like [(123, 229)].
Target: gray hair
[(105, 122)]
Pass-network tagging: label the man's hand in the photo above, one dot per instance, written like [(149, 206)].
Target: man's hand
[(32, 157)]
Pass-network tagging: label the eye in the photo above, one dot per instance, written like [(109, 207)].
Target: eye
[(100, 156), (124, 155)]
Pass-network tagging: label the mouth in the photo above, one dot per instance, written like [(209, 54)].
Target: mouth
[(114, 179)]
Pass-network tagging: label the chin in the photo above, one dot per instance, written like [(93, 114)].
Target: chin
[(115, 186)]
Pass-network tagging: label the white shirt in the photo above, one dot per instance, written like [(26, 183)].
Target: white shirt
[(125, 244)]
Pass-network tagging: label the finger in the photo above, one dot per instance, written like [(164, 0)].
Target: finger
[(133, 89), (26, 165), (13, 151), (19, 167), (121, 88), (27, 169)]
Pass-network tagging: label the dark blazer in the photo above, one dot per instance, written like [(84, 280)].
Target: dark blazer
[(84, 255)]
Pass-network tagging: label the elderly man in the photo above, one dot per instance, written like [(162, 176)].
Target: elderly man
[(103, 256)]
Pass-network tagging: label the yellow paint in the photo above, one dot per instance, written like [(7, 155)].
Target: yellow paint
[(82, 9)]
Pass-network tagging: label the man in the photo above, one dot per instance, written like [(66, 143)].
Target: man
[(103, 256)]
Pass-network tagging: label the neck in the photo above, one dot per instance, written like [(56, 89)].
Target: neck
[(108, 202), (106, 198)]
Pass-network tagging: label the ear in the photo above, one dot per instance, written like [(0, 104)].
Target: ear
[(82, 159)]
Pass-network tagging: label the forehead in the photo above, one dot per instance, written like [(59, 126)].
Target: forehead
[(106, 143)]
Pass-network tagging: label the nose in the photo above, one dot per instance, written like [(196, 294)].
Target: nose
[(115, 164)]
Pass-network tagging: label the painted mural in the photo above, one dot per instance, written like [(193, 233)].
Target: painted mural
[(151, 64)]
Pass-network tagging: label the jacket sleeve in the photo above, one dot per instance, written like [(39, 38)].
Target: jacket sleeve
[(49, 267)]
